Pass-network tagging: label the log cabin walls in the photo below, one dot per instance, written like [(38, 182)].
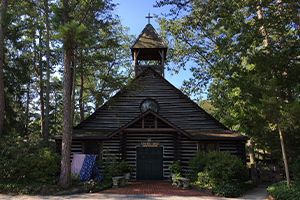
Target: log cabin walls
[(150, 123)]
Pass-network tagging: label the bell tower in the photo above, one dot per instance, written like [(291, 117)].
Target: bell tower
[(149, 47)]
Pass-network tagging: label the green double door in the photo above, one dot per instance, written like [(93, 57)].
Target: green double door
[(149, 163)]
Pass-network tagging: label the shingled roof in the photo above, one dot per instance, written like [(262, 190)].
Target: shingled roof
[(148, 39)]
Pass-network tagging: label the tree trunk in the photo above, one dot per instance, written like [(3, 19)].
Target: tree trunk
[(279, 127), (73, 90), (46, 133), (65, 174), (251, 152), (27, 108), (41, 86), (2, 32), (262, 28), (55, 115), (287, 174), (81, 106)]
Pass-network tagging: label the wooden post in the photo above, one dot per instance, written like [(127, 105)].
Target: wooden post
[(253, 174), (175, 142), (178, 146), (162, 63), (123, 145)]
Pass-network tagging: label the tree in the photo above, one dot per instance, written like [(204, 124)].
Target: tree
[(245, 53), (81, 22), (46, 134), (65, 174), (2, 33)]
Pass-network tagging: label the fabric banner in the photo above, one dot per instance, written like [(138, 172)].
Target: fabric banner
[(77, 162), (89, 168)]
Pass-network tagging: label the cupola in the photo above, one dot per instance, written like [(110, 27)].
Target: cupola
[(149, 46)]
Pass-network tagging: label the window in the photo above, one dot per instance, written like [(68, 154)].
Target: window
[(208, 146), (92, 148), (149, 104)]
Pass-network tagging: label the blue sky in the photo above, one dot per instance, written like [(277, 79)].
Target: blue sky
[(132, 14)]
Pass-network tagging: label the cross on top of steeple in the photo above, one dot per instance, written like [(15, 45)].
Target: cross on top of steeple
[(149, 17)]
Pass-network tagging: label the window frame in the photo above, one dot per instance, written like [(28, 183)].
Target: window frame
[(208, 142), (99, 142), (149, 99)]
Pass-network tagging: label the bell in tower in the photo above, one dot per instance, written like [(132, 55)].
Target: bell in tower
[(149, 47)]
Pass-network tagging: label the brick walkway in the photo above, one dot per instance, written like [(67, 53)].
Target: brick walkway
[(160, 188)]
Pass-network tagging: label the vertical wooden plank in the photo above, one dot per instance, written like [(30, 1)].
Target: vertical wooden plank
[(121, 147), (83, 147), (162, 62), (124, 147), (135, 62), (175, 142), (178, 146)]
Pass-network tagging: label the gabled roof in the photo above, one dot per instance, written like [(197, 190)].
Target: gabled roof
[(149, 39), (196, 124)]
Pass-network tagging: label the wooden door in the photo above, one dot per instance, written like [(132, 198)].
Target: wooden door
[(149, 163)]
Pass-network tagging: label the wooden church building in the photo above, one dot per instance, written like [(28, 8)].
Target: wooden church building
[(150, 123)]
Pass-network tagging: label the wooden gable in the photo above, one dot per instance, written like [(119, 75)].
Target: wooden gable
[(174, 106)]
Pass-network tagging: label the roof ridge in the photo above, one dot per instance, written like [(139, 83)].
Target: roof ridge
[(154, 37)]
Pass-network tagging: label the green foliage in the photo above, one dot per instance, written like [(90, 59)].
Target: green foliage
[(112, 167), (101, 51), (197, 164), (21, 188), (218, 168), (249, 65), (295, 169), (176, 176), (228, 190), (78, 34), (174, 167), (280, 191), (105, 182), (27, 162), (125, 167)]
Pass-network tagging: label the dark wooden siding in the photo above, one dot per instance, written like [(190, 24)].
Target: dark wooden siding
[(235, 148), (187, 151), (133, 140), (76, 148), (173, 106), (175, 147)]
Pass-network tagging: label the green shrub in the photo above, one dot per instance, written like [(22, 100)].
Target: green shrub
[(21, 188), (105, 182), (125, 167), (111, 165), (228, 190), (197, 164), (295, 169), (219, 168), (174, 167), (280, 191), (27, 162)]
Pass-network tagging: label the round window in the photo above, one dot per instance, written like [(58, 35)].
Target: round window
[(149, 104)]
